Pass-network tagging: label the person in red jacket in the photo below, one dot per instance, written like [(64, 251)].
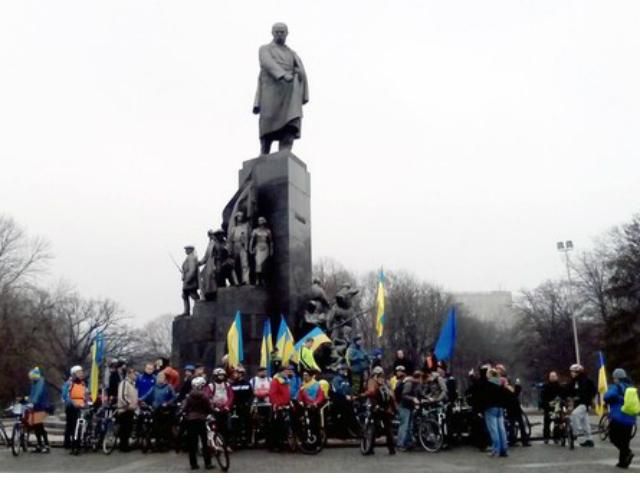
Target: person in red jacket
[(280, 398)]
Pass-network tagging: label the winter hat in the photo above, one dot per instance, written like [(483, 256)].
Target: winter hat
[(619, 373), (35, 373)]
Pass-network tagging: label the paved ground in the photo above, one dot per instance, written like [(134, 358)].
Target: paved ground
[(538, 458)]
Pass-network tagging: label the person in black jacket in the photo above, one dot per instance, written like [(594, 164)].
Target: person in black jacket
[(551, 391), (582, 390), (401, 359), (242, 398), (197, 408), (493, 398), (474, 395)]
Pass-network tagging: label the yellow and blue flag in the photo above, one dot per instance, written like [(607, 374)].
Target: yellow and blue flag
[(97, 354), (284, 342), (267, 346), (380, 317), (447, 339), (234, 342), (602, 385), (319, 337)]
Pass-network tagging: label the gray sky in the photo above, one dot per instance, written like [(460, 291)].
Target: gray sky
[(458, 140)]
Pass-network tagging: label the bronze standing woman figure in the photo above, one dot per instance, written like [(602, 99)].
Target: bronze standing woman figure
[(261, 247)]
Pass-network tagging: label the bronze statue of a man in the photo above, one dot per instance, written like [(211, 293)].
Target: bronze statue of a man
[(282, 90), (189, 278)]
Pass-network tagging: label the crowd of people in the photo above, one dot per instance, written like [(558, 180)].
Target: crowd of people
[(492, 397)]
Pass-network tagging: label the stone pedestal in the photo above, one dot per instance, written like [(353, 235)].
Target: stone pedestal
[(282, 186)]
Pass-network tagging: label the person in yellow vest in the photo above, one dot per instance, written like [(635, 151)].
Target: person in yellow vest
[(307, 360)]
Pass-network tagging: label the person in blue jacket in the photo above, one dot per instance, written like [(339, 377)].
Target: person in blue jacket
[(620, 424), (162, 398), (146, 380), (39, 397)]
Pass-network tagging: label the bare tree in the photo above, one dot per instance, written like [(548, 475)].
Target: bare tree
[(21, 256)]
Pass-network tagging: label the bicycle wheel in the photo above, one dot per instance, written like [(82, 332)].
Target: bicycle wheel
[(4, 437), (145, 441), (527, 424), (110, 438), (220, 450), (368, 438), (570, 436), (430, 435), (634, 430), (17, 439), (603, 427)]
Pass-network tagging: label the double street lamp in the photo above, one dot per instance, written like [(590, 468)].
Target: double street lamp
[(566, 247)]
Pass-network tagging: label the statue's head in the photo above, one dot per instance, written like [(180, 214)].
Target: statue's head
[(262, 221), (279, 32), (240, 216), (188, 249)]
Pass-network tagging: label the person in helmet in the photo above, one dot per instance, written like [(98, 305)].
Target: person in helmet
[(379, 393), (620, 424), (221, 399), (583, 390), (75, 395), (242, 399), (185, 388), (196, 408)]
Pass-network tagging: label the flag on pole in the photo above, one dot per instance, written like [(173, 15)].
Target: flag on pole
[(447, 340), (602, 385), (319, 337), (234, 342), (97, 353), (380, 318), (284, 342), (267, 346)]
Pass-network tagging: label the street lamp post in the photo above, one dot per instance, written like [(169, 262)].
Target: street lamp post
[(566, 247)]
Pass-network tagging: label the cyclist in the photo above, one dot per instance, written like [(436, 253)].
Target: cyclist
[(171, 374), (379, 394), (76, 396), (311, 394), (115, 377), (242, 399), (620, 424), (41, 407), (221, 399), (161, 398), (127, 404), (260, 384), (280, 397), (146, 380), (550, 392), (197, 407), (583, 391), (513, 408), (294, 381), (189, 372), (410, 392)]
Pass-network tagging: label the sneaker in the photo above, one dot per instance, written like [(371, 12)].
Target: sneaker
[(504, 454), (45, 449), (37, 449), (195, 467), (587, 443)]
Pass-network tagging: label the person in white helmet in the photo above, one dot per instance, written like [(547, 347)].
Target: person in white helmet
[(221, 399), (196, 408), (583, 391), (75, 394)]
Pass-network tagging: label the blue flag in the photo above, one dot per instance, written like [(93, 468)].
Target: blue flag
[(447, 340)]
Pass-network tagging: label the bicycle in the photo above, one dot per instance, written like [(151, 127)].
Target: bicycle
[(145, 426), (562, 431), (260, 418), (603, 427), (283, 423), (83, 437), (217, 444), (429, 426), (311, 434), (21, 429), (3, 432), (108, 429)]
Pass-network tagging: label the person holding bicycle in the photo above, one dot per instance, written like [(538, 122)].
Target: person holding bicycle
[(280, 398), (409, 399), (583, 391), (221, 400), (620, 424), (127, 404), (41, 408), (76, 397), (197, 408), (550, 392), (161, 398), (242, 400), (381, 397)]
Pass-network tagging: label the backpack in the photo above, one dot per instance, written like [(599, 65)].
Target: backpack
[(631, 405)]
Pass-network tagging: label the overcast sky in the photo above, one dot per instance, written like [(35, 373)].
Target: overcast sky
[(457, 140)]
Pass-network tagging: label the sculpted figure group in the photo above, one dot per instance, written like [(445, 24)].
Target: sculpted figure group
[(229, 260)]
